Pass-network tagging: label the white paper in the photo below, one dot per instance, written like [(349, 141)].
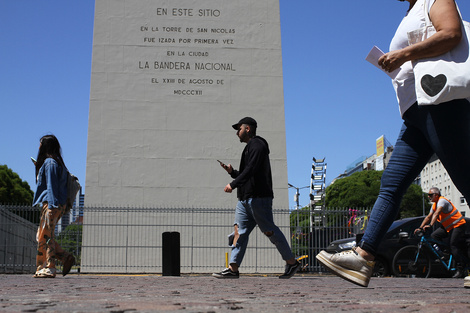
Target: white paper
[(373, 57)]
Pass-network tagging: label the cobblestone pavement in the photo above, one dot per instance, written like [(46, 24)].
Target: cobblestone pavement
[(202, 293)]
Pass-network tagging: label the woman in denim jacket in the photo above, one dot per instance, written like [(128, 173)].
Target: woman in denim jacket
[(51, 195)]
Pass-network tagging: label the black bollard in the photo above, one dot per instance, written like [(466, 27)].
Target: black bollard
[(171, 254)]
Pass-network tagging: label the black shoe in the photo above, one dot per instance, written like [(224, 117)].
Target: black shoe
[(68, 263), (291, 270), (227, 273)]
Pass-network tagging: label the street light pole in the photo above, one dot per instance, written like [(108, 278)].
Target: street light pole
[(297, 229), (297, 194), (296, 197)]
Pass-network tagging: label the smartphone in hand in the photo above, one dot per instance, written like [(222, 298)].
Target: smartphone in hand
[(33, 160), (223, 165)]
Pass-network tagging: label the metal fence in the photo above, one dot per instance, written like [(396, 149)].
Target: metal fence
[(129, 240), (17, 239)]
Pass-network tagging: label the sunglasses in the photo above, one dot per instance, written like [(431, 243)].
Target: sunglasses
[(431, 194)]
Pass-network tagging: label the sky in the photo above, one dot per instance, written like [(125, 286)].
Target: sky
[(336, 103)]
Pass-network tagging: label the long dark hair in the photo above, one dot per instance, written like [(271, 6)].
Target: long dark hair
[(49, 148)]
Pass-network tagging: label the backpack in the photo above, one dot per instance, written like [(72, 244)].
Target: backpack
[(73, 186)]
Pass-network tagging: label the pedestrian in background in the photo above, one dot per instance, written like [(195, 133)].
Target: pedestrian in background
[(443, 129), (255, 197), (51, 196)]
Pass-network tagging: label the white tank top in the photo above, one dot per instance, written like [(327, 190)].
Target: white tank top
[(404, 82)]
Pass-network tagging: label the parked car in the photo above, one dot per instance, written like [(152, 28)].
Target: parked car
[(391, 243)]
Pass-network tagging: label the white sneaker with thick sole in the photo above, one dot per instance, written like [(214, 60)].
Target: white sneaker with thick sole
[(348, 265), (466, 282)]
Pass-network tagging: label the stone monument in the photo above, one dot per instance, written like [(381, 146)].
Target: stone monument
[(168, 80)]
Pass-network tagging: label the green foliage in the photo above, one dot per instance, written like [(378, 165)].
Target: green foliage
[(413, 202), (300, 220), (13, 190), (356, 191), (70, 239), (300, 230), (361, 189)]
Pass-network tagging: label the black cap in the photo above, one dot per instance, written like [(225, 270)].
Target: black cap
[(246, 120)]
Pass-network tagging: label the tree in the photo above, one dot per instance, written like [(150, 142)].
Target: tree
[(300, 230), (13, 190), (414, 202), (300, 220), (361, 189), (70, 240)]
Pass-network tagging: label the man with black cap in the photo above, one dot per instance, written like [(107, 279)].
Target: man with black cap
[(255, 196)]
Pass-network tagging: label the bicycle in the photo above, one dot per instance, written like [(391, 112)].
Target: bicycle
[(415, 261)]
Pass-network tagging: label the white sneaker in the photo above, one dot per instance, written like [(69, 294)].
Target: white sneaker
[(466, 282), (348, 265)]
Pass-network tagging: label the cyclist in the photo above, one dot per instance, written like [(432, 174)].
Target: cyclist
[(452, 225)]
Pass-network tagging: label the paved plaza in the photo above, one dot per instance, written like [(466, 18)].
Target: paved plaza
[(202, 293)]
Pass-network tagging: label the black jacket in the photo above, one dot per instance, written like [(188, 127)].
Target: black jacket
[(254, 179)]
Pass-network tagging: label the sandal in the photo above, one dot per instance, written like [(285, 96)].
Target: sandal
[(45, 273)]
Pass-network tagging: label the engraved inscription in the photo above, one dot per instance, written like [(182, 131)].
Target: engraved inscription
[(188, 48)]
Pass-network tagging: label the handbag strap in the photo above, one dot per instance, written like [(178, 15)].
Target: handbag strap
[(427, 18)]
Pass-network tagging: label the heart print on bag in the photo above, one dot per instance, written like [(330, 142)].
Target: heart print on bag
[(433, 85)]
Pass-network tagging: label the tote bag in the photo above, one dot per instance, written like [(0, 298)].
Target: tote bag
[(445, 77)]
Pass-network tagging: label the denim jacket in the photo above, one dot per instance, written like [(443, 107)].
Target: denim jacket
[(52, 184)]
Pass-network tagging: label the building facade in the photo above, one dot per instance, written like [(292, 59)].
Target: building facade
[(435, 175)]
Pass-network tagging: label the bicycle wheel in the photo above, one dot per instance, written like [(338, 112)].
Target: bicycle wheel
[(405, 263)]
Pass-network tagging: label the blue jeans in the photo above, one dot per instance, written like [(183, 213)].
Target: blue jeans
[(248, 214), (443, 129)]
